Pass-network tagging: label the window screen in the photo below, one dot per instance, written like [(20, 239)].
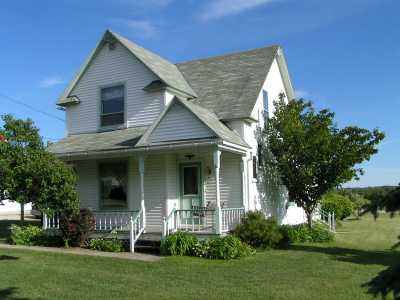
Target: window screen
[(190, 180)]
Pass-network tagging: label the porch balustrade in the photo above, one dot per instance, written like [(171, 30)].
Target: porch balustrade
[(201, 220)]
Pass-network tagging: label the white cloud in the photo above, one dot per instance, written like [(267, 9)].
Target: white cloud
[(301, 93), (51, 81), (220, 8), (143, 27)]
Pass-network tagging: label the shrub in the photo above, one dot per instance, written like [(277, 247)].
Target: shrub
[(107, 245), (31, 235), (76, 227), (228, 247), (338, 204), (259, 232), (180, 243), (28, 235), (303, 234)]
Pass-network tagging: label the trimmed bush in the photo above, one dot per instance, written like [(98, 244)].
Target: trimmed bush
[(107, 245), (338, 204), (76, 227), (303, 234), (31, 235), (258, 231), (180, 243), (228, 247)]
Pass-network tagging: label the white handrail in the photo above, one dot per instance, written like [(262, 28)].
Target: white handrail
[(326, 218), (137, 227), (231, 217)]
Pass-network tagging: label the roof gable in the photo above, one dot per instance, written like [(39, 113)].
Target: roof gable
[(180, 124), (166, 71), (192, 119)]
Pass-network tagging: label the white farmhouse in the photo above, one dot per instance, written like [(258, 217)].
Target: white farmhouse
[(169, 146)]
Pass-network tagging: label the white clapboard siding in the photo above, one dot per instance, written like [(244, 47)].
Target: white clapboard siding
[(88, 184), (171, 181), (114, 67), (230, 180), (154, 192), (179, 124)]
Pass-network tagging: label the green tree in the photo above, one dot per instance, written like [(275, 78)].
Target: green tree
[(29, 173), (360, 203), (339, 204), (311, 154)]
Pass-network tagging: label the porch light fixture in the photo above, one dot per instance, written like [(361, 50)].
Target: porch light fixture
[(189, 156)]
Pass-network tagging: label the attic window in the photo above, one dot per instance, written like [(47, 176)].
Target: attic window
[(112, 106)]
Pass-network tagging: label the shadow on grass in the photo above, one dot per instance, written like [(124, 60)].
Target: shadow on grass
[(9, 294), (8, 257), (356, 256), (385, 283)]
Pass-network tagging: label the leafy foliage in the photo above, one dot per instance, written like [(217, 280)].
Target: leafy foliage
[(33, 236), (341, 205), (30, 174), (311, 154), (76, 227), (180, 243), (360, 203), (258, 231), (107, 245), (304, 234), (228, 247)]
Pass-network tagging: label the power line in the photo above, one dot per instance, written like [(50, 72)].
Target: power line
[(31, 107)]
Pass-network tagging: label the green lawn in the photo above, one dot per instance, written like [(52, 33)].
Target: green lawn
[(332, 271)]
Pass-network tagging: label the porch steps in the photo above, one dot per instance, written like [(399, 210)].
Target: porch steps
[(149, 242)]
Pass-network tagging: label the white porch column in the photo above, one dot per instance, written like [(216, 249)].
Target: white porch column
[(141, 172), (243, 168), (217, 164)]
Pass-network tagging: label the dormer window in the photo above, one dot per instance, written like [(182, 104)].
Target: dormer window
[(112, 106)]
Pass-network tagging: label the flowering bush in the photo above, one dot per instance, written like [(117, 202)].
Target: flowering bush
[(76, 227)]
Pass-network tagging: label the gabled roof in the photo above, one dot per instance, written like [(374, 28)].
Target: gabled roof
[(166, 71), (229, 84), (205, 116)]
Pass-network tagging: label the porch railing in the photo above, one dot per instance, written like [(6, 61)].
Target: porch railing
[(202, 220), (113, 220), (326, 218), (231, 218), (137, 227), (198, 220), (128, 221)]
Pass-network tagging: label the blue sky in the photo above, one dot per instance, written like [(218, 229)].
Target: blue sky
[(344, 55)]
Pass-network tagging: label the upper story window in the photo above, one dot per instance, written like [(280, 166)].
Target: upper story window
[(112, 106), (265, 103)]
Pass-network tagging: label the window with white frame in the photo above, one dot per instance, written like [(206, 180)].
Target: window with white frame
[(112, 106)]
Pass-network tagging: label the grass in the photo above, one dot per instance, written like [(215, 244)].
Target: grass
[(332, 271)]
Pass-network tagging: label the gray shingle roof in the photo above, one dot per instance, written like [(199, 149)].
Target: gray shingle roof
[(167, 71), (100, 141), (229, 85)]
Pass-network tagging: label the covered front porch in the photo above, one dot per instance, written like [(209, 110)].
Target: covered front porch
[(199, 187)]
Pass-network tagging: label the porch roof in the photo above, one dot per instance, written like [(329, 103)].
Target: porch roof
[(98, 141)]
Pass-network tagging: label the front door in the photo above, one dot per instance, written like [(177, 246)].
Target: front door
[(190, 185)]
